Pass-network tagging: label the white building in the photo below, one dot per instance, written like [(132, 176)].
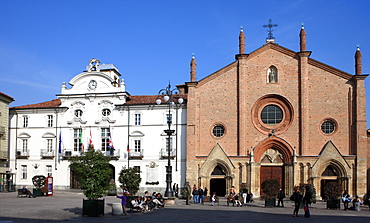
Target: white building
[(44, 136)]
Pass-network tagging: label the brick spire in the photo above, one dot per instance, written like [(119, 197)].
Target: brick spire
[(358, 61), (193, 69), (241, 41), (302, 36)]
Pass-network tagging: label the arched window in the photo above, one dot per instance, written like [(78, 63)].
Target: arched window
[(272, 75)]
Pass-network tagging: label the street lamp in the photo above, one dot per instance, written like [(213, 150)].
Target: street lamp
[(168, 97)]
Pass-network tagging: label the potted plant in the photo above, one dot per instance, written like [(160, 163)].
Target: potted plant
[(130, 181), (39, 181), (270, 188), (332, 191), (93, 173)]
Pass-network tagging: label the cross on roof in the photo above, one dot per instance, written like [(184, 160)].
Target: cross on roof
[(269, 30)]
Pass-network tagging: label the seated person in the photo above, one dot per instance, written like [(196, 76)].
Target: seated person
[(28, 192), (156, 200), (149, 204), (137, 203)]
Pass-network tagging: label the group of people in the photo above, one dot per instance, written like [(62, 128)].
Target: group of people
[(356, 202), (144, 203), (297, 197), (148, 202), (241, 198), (198, 194)]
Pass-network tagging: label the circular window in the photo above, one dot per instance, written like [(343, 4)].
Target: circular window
[(271, 115), (78, 113), (328, 127), (105, 112), (218, 130)]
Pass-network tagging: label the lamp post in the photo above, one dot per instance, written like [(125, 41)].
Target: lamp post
[(168, 97)]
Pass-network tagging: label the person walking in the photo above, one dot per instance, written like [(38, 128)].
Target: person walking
[(280, 197), (187, 192), (297, 198)]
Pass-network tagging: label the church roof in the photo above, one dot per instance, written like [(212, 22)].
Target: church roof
[(132, 100)]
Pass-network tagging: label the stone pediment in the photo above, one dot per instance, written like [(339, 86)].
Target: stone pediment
[(330, 155), (217, 156)]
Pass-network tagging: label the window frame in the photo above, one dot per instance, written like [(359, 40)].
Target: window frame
[(104, 135), (77, 146), (50, 119), (24, 172)]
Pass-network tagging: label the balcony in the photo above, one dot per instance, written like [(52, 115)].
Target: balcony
[(164, 153), (136, 155), (114, 154), (22, 154), (47, 154), (67, 154)]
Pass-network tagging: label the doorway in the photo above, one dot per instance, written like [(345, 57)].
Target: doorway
[(323, 183), (272, 172), (218, 186)]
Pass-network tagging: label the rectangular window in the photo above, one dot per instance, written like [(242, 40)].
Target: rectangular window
[(168, 144), (25, 121), (77, 145), (24, 145), (24, 171), (137, 144), (137, 119), (50, 120), (105, 133), (49, 170), (49, 145), (137, 168)]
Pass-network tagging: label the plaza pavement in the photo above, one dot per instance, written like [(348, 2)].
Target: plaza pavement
[(66, 206)]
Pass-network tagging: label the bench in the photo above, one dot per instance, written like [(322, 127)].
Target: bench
[(208, 199), (129, 205), (22, 193)]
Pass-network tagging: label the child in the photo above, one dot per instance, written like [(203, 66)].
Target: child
[(213, 198)]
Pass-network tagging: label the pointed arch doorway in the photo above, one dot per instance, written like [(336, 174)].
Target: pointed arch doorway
[(218, 181), (272, 166)]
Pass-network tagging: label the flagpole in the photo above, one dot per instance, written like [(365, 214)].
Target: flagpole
[(128, 136)]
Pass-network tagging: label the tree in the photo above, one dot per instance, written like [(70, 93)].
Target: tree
[(333, 190), (92, 172), (130, 179), (270, 188)]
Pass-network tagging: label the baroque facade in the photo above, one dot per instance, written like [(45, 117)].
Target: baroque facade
[(277, 113), (96, 111)]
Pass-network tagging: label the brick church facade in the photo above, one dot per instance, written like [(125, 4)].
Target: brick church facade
[(276, 113)]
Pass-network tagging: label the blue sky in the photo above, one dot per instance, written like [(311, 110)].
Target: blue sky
[(45, 43)]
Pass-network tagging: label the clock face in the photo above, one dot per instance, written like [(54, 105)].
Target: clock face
[(93, 84)]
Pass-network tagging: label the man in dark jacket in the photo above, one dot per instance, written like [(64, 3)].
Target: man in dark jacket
[(280, 196)]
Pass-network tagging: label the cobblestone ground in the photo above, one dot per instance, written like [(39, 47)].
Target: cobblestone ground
[(66, 206)]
